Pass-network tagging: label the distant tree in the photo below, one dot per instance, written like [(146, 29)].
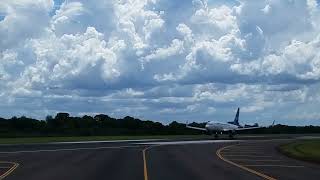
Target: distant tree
[(101, 117), (64, 125), (49, 118), (60, 121), (62, 116)]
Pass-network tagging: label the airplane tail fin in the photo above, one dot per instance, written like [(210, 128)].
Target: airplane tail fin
[(236, 119), (273, 123)]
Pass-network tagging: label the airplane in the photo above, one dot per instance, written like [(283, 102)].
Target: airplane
[(231, 127)]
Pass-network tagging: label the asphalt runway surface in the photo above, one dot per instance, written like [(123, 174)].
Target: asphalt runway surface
[(246, 158)]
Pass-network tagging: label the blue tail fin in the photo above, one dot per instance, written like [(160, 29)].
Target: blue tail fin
[(236, 118)]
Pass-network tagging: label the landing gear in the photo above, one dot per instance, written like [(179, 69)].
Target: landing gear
[(231, 134), (216, 135)]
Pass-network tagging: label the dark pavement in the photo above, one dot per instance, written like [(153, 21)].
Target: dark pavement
[(122, 163), (124, 160), (262, 156), (190, 162)]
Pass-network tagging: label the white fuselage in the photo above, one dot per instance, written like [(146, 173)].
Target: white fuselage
[(215, 126)]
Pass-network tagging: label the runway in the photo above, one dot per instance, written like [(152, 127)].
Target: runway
[(246, 158)]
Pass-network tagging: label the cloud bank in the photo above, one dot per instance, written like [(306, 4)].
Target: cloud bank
[(162, 60)]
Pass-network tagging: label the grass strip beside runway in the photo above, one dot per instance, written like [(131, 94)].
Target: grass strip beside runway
[(307, 150)]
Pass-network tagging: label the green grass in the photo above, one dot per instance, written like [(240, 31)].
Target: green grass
[(32, 140), (308, 150)]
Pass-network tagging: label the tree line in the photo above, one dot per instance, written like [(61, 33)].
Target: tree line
[(65, 125), (103, 125)]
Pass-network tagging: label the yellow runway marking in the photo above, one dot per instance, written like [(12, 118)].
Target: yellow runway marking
[(240, 166), (145, 167), (15, 165)]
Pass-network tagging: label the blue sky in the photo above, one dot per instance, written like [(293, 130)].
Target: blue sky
[(164, 60)]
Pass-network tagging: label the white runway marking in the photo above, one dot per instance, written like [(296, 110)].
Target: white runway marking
[(251, 136), (110, 141), (308, 137), (187, 142), (246, 156), (273, 165), (242, 153), (256, 160), (71, 149)]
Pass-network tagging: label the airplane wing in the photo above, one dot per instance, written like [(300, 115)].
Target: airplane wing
[(196, 128), (248, 128)]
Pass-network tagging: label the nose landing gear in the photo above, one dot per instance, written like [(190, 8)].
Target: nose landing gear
[(230, 133), (216, 135)]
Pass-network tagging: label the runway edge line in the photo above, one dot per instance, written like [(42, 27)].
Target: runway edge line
[(7, 173), (218, 152)]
